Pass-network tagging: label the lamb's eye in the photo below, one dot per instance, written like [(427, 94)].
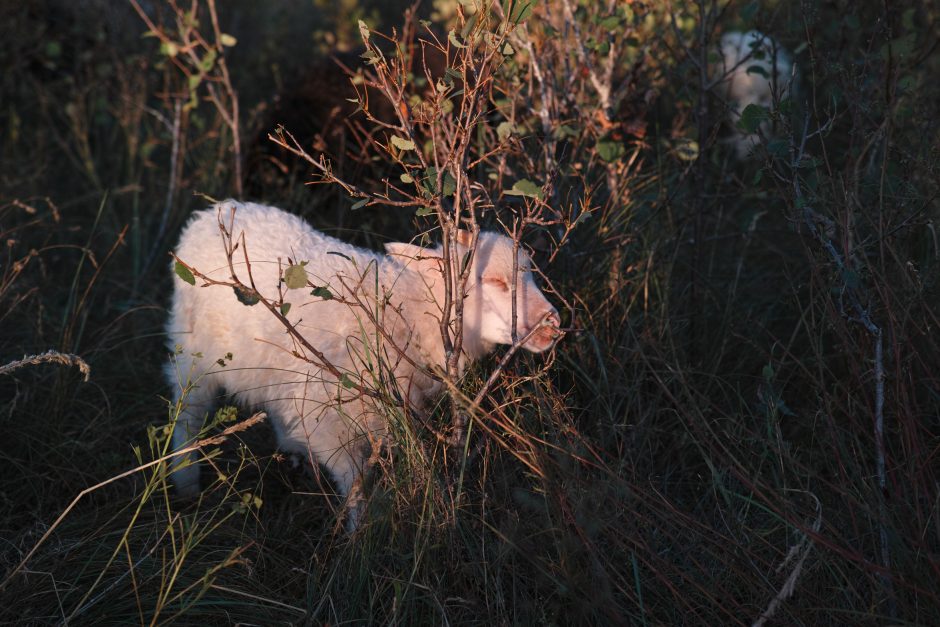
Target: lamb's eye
[(496, 281)]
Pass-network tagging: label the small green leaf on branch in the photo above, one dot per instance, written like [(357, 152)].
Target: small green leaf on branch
[(524, 187), (295, 277), (184, 273)]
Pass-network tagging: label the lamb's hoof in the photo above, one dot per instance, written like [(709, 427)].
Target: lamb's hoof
[(353, 519), (185, 482), (350, 518), (187, 492)]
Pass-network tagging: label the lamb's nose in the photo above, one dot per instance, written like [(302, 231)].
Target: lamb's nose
[(551, 322), (552, 319)]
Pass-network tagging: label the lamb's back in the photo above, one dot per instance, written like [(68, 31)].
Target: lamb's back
[(212, 322)]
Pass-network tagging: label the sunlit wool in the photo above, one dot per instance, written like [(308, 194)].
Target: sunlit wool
[(403, 290)]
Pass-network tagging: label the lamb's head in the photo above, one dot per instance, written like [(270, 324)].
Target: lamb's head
[(488, 303), (753, 66)]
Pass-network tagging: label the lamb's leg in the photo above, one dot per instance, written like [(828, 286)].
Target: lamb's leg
[(346, 470), (196, 402), (349, 471), (354, 506)]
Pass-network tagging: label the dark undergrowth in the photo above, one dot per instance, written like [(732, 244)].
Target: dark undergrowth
[(743, 425)]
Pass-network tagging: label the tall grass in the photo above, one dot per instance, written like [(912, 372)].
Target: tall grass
[(744, 422)]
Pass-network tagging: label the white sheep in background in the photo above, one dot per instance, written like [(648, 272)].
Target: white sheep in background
[(771, 72), (313, 413)]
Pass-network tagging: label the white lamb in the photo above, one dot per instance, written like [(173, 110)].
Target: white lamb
[(754, 68), (326, 419)]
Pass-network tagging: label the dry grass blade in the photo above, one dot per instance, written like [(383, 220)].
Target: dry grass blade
[(218, 439), (802, 548), (50, 356)]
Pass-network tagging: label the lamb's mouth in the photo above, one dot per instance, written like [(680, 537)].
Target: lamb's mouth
[(544, 337)]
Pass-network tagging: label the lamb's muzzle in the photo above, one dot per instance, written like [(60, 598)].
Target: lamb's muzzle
[(545, 333)]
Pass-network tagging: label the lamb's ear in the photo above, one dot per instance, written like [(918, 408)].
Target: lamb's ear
[(464, 238)]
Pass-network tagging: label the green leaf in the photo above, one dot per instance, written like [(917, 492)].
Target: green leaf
[(184, 273), (450, 184), (524, 187), (752, 117), (360, 204), (246, 296), (504, 130), (295, 277), (192, 103), (249, 499), (402, 144), (346, 381), (53, 49), (851, 278), (758, 69), (907, 83), (521, 10), (907, 19), (406, 178), (169, 48), (323, 292), (431, 182), (778, 148), (564, 132), (364, 31), (471, 23), (189, 19), (227, 40), (610, 149), (584, 217), (686, 149), (452, 38), (610, 23), (208, 61), (900, 47), (424, 211)]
